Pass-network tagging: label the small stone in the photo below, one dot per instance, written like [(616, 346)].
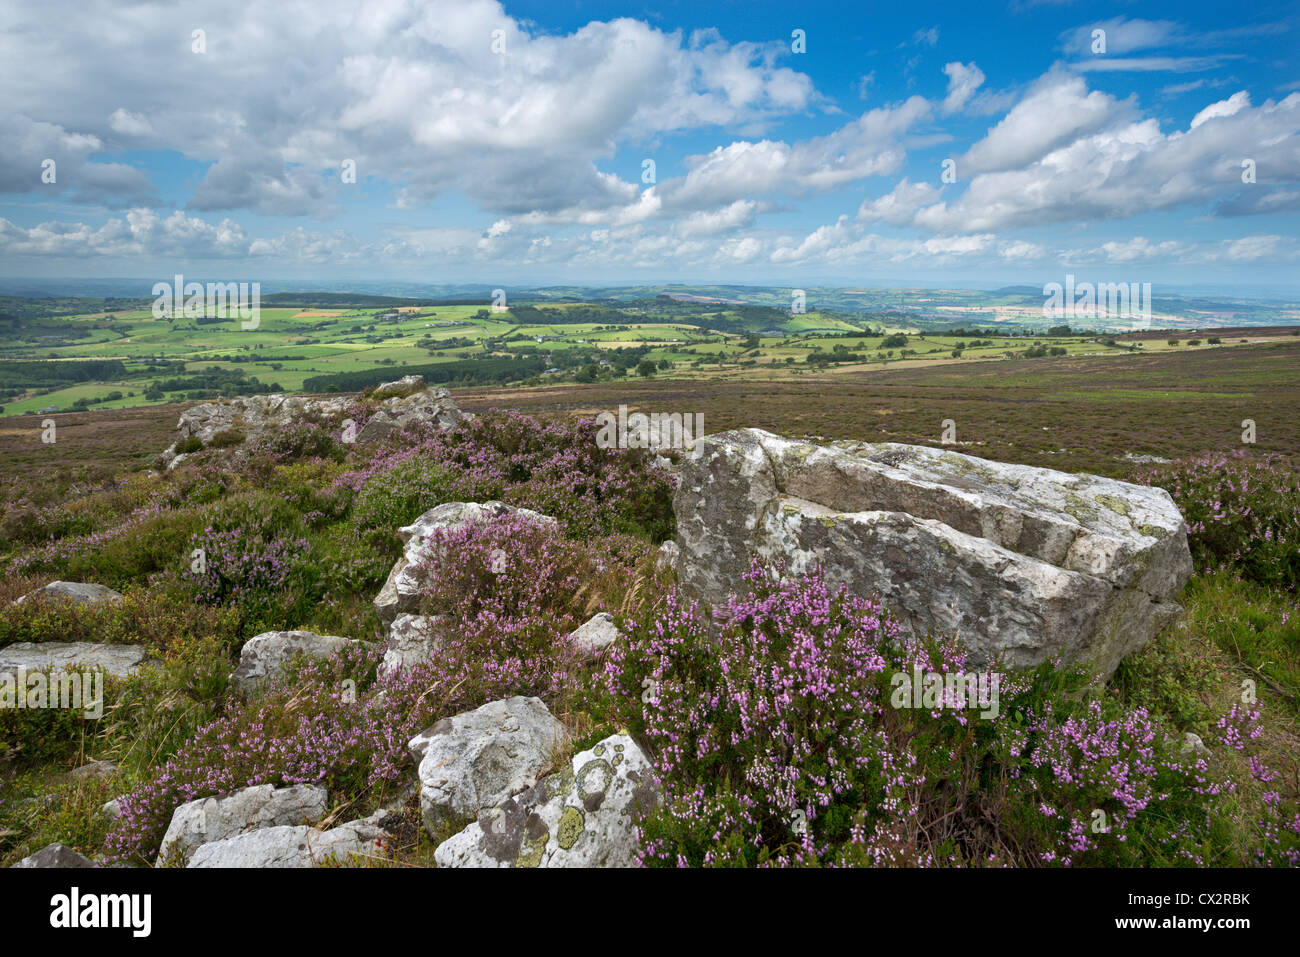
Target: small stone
[(56, 855), (596, 635), (81, 593)]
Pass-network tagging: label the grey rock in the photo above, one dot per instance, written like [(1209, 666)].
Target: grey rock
[(287, 846), (56, 855), (402, 387), (585, 815), (265, 655), (95, 770), (117, 660), (668, 555), (84, 593), (113, 808), (412, 639), (596, 635), (250, 809), (477, 759), (1028, 564), (401, 591)]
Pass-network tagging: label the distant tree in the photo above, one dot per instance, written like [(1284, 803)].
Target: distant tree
[(645, 368), (1059, 331)]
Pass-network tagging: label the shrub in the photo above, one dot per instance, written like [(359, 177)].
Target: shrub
[(396, 497), (151, 618), (41, 730), (776, 722), (226, 438), (772, 729), (554, 467), (270, 581), (1242, 512)]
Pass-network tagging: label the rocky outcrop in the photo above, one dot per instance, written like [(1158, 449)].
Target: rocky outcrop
[(597, 634), (248, 417), (287, 846), (117, 660), (1026, 564), (212, 819), (477, 759), (265, 655), (400, 593), (232, 423), (585, 815), (409, 403), (83, 593)]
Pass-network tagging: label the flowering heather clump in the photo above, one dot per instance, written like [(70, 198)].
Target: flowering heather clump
[(1118, 767), (1243, 513), (777, 742), (507, 592), (551, 467), (312, 727), (242, 570), (772, 738)]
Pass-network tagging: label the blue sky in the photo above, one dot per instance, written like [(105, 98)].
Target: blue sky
[(506, 144)]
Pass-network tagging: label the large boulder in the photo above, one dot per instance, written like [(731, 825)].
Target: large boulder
[(1026, 564), (401, 388), (83, 593), (585, 815), (401, 591), (288, 846), (264, 656), (117, 660), (248, 809), (475, 760)]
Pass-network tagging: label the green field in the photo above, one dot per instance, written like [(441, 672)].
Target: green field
[(187, 359)]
